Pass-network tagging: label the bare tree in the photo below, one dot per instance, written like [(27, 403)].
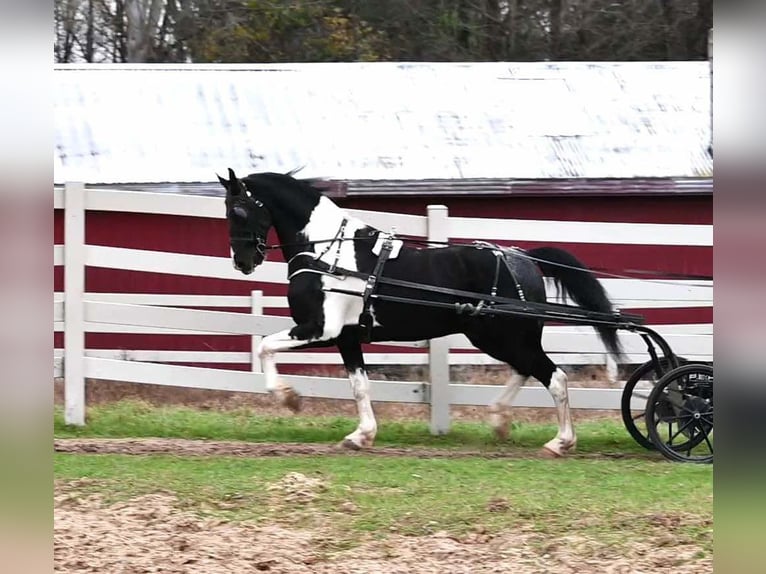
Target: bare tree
[(143, 18), (67, 28), (90, 33), (343, 30), (673, 47), (555, 29), (88, 30)]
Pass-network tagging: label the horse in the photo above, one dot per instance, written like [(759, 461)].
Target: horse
[(333, 261)]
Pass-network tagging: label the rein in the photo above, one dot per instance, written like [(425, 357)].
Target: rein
[(495, 303), (521, 253), (335, 239)]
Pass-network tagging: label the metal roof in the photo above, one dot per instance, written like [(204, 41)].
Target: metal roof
[(383, 121)]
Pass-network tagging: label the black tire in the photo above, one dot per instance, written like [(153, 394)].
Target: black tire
[(629, 417), (684, 396)]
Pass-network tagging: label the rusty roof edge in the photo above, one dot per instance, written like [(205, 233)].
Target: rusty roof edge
[(469, 187), (523, 187)]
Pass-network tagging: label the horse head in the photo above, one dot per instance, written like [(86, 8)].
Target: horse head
[(249, 223)]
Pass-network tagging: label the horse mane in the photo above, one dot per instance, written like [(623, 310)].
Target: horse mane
[(317, 184), (312, 186)]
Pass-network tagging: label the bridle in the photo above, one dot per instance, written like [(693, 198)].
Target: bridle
[(258, 241)]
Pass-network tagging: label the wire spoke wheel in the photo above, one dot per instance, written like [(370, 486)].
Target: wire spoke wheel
[(679, 414), (635, 394)]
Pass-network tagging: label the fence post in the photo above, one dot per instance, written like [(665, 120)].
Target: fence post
[(74, 292), (438, 349), (256, 308), (710, 57)]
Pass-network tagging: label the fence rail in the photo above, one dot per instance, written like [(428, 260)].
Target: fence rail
[(76, 311)]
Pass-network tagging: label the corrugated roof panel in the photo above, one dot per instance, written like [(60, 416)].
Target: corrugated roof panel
[(378, 121)]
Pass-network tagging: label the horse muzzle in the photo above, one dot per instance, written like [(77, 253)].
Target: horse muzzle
[(244, 269)]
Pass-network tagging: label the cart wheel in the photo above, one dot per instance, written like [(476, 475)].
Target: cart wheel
[(679, 414), (638, 386)]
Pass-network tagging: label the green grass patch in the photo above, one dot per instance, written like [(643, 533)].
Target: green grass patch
[(616, 501), (613, 501), (138, 419)]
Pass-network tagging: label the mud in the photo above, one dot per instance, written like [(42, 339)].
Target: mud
[(187, 447), (151, 533)]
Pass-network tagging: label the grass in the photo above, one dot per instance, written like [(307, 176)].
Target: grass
[(138, 419), (613, 501)]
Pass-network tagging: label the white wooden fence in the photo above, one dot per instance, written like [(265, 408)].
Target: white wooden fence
[(77, 312)]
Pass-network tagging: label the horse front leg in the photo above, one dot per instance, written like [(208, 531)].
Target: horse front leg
[(284, 394), (351, 350)]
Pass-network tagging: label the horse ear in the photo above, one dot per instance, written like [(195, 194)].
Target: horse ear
[(239, 211), (234, 186), (224, 183)]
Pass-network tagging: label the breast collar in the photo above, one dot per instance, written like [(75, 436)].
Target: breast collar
[(306, 262), (311, 262)]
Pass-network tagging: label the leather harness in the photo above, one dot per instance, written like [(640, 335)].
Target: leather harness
[(309, 262)]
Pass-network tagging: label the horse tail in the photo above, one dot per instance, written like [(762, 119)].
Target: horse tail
[(577, 281)]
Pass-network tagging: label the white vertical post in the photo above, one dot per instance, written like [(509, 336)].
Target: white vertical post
[(74, 291), (710, 57), (256, 308), (438, 349)]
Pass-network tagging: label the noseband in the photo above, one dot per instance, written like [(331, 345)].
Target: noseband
[(258, 241)]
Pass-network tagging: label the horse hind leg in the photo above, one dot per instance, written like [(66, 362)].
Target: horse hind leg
[(499, 410), (494, 344), (555, 380)]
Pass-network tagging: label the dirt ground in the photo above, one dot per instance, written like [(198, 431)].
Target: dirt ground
[(151, 533), (186, 447)]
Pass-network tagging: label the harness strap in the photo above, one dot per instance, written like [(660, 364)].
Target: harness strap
[(498, 256), (317, 257), (519, 290), (501, 253), (365, 317), (338, 234)]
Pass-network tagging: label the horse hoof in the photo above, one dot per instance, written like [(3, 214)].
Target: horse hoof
[(498, 420), (292, 400), (557, 448), (548, 452), (501, 433), (350, 444)]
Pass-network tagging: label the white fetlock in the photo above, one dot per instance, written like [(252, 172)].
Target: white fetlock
[(559, 447), (358, 440), (499, 419), (288, 397)]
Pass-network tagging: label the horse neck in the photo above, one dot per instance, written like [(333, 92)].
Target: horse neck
[(299, 226), (325, 221)]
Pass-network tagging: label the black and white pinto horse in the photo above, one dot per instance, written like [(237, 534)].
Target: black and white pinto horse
[(320, 240)]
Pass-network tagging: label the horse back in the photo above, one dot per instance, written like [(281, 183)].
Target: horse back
[(467, 268)]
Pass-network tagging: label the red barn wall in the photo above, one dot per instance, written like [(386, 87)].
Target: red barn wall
[(204, 236)]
